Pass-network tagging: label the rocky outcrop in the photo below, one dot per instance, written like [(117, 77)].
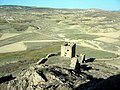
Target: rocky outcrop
[(40, 77), (6, 78)]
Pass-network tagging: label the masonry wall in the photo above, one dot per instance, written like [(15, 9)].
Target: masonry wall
[(68, 51)]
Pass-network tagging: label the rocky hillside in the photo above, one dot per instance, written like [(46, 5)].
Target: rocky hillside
[(46, 77), (41, 77)]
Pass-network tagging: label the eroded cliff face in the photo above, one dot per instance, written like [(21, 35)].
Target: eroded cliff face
[(39, 77)]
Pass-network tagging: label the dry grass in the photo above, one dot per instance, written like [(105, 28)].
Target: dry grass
[(8, 35), (19, 46)]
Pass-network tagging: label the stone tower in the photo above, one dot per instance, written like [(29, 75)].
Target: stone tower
[(68, 50)]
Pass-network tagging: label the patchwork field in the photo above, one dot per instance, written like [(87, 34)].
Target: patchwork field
[(19, 46), (8, 35)]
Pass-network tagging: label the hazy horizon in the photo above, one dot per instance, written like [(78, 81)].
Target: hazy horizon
[(70, 4)]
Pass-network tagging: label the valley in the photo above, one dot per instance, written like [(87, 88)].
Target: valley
[(30, 33)]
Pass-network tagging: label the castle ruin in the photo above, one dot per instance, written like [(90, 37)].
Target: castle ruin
[(68, 50)]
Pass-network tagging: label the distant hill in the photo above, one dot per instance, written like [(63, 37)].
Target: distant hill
[(90, 20)]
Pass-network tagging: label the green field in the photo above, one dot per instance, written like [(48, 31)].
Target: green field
[(93, 53), (39, 45), (81, 36), (24, 58), (24, 37)]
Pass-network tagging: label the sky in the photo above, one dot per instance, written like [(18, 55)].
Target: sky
[(82, 4)]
